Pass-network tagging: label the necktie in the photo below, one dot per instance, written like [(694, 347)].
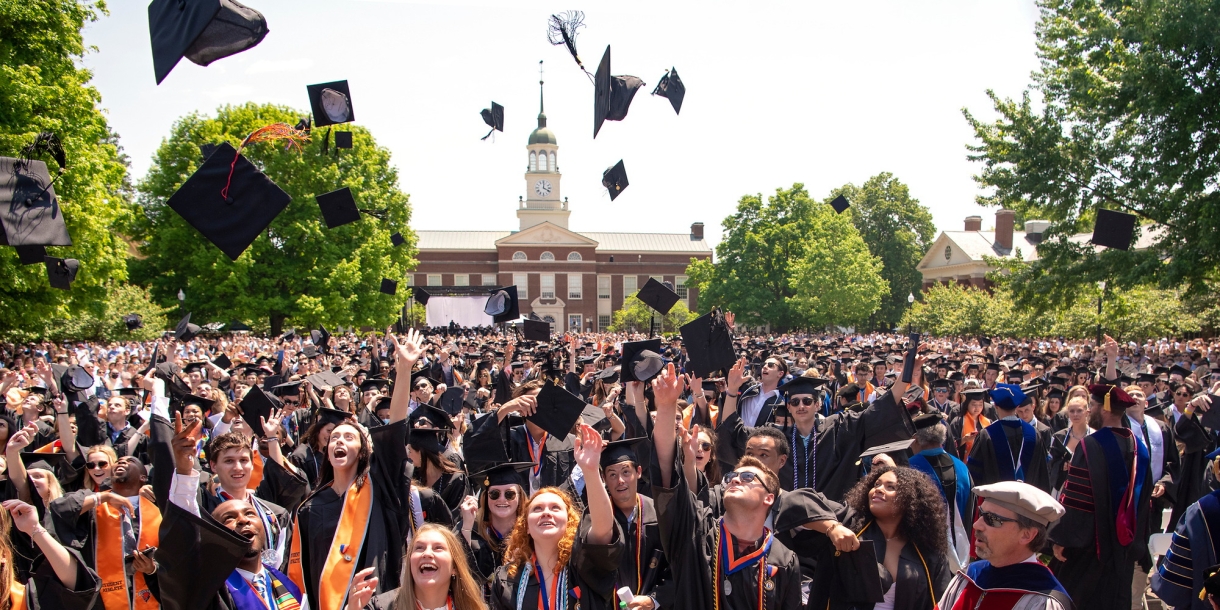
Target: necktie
[(129, 535), (260, 587)]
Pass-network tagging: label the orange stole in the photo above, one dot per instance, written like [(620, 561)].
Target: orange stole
[(16, 596), (51, 447), (344, 551), (115, 595), (256, 476)]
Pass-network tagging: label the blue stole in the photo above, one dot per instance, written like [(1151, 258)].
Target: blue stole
[(244, 597), (1008, 470), (920, 462), (1019, 576), (1117, 466)]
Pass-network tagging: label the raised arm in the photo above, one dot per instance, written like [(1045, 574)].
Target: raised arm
[(601, 514), (406, 354), (25, 518), (666, 388), (16, 468), (732, 389), (63, 426), (1111, 349)]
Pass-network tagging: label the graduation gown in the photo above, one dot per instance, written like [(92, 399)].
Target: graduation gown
[(1005, 447), (642, 565), (1193, 463), (44, 590), (557, 455), (309, 462), (952, 478), (1098, 513), (1196, 543), (483, 558), (1021, 586), (590, 578)]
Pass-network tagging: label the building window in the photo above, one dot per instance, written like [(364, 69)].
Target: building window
[(629, 285), (434, 279), (575, 286), (548, 285), (575, 322), (680, 285), (546, 256), (603, 287), (522, 282), (574, 256), (554, 166), (461, 279), (410, 279), (542, 161), (520, 256), (533, 162), (603, 322), (489, 279)]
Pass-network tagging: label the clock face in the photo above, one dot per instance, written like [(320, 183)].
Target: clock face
[(542, 187)]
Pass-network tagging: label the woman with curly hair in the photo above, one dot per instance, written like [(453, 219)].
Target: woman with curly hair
[(553, 560), (902, 513), (434, 575)]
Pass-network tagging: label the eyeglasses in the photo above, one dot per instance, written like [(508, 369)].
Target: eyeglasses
[(994, 520), (807, 401), (705, 446), (509, 494), (96, 465), (1186, 394)]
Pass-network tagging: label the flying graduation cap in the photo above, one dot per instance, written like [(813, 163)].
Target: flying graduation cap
[(203, 31), (29, 255), (1113, 229), (29, 209), (185, 331), (61, 271), (421, 295), (502, 305), (494, 117), (343, 139), (840, 204), (331, 103), (397, 239), (133, 321), (389, 286), (535, 330), (613, 94), (615, 179), (671, 87), (658, 296), (338, 207)]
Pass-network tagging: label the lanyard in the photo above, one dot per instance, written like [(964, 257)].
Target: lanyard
[(536, 450)]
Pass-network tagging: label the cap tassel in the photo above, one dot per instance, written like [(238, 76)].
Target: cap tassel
[(562, 31), (270, 133)]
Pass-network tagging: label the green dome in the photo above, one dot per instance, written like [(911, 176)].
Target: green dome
[(542, 135)]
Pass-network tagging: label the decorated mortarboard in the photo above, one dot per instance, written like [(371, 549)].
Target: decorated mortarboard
[(228, 200), (658, 296), (451, 401), (389, 286), (202, 31), (671, 88), (894, 447), (536, 330), (637, 366), (52, 462), (61, 272), (494, 117), (1113, 229), (435, 417), (185, 331), (612, 94), (557, 410), (802, 385), (29, 209), (615, 452), (709, 343), (840, 204), (502, 305), (615, 179), (331, 103), (258, 404), (338, 207)]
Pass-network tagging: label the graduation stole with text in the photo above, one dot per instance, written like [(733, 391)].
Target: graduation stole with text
[(345, 547), (110, 568)]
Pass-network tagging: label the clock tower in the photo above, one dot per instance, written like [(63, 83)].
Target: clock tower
[(542, 202)]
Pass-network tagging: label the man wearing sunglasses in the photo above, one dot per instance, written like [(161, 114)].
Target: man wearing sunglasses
[(1009, 533)]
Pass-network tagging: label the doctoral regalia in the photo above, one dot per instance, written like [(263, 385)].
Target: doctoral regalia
[(952, 478), (1192, 552), (1021, 586), (1011, 450)]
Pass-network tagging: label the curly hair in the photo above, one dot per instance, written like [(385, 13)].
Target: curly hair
[(520, 547), (464, 587), (918, 501)]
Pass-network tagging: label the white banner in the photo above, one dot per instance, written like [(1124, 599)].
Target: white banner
[(465, 311)]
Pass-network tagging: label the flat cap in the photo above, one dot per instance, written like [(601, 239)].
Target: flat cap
[(1023, 499)]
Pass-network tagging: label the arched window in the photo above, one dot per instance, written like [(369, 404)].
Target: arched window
[(520, 256), (548, 319), (533, 162), (554, 166), (574, 256), (546, 256), (542, 161)]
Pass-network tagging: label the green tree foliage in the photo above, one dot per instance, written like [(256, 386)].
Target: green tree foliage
[(298, 271), (899, 231), (107, 325), (42, 89), (1122, 115), (790, 263), (636, 316)]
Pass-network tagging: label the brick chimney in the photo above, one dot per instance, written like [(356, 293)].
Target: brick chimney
[(696, 231), (1004, 221), (974, 223)]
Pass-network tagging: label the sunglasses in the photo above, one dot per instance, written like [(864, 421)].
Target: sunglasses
[(807, 401), (745, 476), (96, 465), (705, 446), (994, 520), (1186, 394), (510, 494)]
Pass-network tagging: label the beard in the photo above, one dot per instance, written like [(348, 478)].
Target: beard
[(1095, 420)]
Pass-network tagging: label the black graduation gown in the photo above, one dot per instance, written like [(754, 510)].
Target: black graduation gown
[(45, 591), (389, 524), (91, 430), (1193, 460), (984, 460), (451, 488), (591, 570), (642, 567), (689, 534), (309, 462), (557, 459), (483, 558), (1099, 568)]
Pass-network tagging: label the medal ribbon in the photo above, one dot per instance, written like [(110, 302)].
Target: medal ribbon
[(728, 563), (536, 450)]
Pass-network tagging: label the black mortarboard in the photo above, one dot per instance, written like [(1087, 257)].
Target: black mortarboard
[(802, 385), (29, 255), (671, 87), (320, 337), (557, 410), (428, 439), (325, 379), (331, 103), (332, 416), (1148, 377), (185, 331), (133, 321), (255, 404), (191, 367), (494, 117), (709, 343), (609, 374), (976, 394), (536, 330), (397, 239), (343, 139), (29, 209), (230, 213), (389, 286), (1178, 369), (629, 360), (500, 474), (658, 296), (373, 385), (985, 341), (61, 272), (502, 305), (338, 207), (894, 447), (595, 418), (203, 31), (615, 179), (421, 295), (204, 404), (288, 388), (618, 451), (1113, 229), (438, 418), (612, 95), (451, 401), (44, 461), (858, 580), (840, 204)]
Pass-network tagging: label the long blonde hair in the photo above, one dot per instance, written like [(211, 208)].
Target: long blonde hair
[(521, 545), (466, 591), (482, 519)]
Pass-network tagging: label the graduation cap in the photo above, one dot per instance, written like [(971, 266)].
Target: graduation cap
[(332, 416), (641, 360), (203, 31), (658, 296), (438, 418), (288, 388), (428, 439), (942, 384), (325, 379), (76, 379), (61, 272), (1007, 396), (338, 207), (373, 385), (803, 385), (133, 321), (534, 330), (557, 410), (389, 286), (616, 452), (229, 200), (857, 578), (615, 179), (1113, 229), (343, 139), (331, 103), (1178, 369), (840, 204), (397, 239), (671, 87), (185, 331), (894, 447), (613, 94), (976, 394), (29, 255), (192, 367), (494, 117), (320, 337), (502, 305), (255, 404), (595, 418), (709, 343), (421, 295), (451, 400), (510, 473), (52, 462), (204, 404), (29, 209), (609, 374)]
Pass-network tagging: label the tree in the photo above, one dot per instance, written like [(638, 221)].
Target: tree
[(298, 271), (777, 265), (899, 231), (1125, 119), (43, 89), (637, 316), (121, 299)]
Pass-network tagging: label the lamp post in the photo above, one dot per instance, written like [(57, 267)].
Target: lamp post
[(181, 300), (1100, 296)]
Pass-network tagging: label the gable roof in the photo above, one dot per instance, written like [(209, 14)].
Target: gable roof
[(979, 244)]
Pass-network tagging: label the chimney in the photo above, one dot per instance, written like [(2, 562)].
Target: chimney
[(974, 223), (1004, 220), (696, 231)]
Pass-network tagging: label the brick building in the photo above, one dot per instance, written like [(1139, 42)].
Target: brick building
[(575, 280)]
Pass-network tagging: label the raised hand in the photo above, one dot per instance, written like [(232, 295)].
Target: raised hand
[(364, 585), (468, 508), (1110, 347), (183, 444), (589, 445), (24, 515), (736, 374), (272, 425), (23, 437), (667, 388), (408, 351), (729, 318)]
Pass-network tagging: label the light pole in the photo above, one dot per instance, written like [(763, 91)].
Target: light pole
[(1100, 296)]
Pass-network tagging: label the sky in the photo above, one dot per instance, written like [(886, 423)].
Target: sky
[(778, 92)]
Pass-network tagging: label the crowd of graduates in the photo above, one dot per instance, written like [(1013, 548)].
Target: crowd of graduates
[(476, 468)]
